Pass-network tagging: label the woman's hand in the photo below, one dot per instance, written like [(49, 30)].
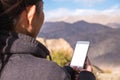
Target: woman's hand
[(87, 67)]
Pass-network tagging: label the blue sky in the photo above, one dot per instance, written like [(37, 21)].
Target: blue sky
[(58, 8), (81, 4)]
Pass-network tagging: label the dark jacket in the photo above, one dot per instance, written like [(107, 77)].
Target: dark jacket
[(23, 58)]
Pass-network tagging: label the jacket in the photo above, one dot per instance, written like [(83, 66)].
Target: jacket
[(23, 58)]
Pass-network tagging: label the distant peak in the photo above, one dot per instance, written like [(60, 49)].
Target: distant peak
[(81, 21)]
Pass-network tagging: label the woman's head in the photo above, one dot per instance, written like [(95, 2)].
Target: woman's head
[(24, 16)]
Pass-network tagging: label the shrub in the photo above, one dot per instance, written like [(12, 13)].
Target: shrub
[(61, 57), (108, 71)]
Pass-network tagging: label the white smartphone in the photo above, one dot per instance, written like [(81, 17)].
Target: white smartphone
[(80, 54)]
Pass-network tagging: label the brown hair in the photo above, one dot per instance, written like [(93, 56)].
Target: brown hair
[(10, 11)]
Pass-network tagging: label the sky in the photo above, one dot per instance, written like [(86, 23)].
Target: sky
[(59, 8)]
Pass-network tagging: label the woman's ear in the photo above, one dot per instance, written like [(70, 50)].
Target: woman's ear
[(31, 10), (25, 21)]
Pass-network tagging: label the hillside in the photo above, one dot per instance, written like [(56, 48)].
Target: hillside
[(80, 30), (105, 41)]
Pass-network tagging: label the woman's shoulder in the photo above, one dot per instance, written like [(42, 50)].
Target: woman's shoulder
[(32, 68)]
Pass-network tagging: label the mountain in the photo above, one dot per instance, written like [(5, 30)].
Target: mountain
[(96, 18), (114, 25), (80, 30), (105, 41)]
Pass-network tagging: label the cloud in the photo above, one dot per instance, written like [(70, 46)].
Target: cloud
[(117, 6), (90, 2), (58, 13), (63, 12)]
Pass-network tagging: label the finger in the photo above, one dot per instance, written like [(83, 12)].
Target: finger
[(87, 62)]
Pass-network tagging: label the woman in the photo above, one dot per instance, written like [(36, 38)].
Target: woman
[(21, 56)]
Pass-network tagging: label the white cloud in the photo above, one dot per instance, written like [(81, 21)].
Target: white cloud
[(90, 2), (58, 13), (117, 6), (63, 12)]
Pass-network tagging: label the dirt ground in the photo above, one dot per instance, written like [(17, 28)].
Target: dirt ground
[(105, 76)]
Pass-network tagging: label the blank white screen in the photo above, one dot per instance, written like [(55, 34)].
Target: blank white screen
[(80, 53)]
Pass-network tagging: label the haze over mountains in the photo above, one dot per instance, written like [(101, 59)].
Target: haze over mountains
[(105, 41), (110, 19)]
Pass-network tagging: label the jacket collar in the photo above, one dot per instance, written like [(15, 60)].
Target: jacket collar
[(18, 43)]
